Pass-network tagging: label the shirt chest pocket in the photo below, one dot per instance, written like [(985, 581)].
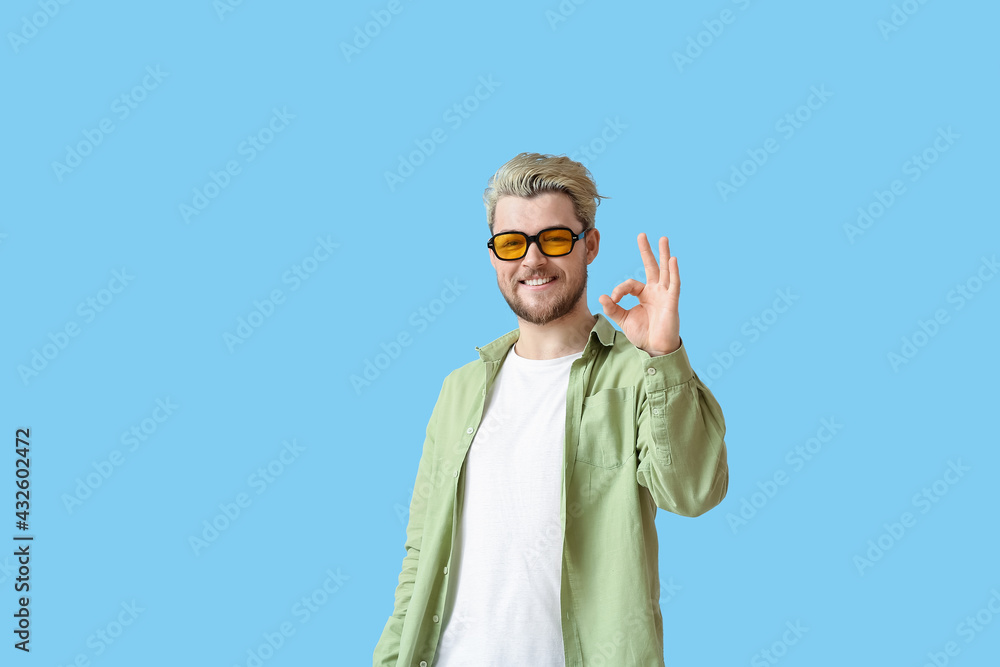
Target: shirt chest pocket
[(607, 428)]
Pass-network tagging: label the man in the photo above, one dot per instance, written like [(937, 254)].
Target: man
[(531, 538)]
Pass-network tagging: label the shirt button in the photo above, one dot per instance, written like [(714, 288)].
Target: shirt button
[(423, 663), (455, 474), (435, 618), (651, 371), (656, 411), (446, 569), (469, 430)]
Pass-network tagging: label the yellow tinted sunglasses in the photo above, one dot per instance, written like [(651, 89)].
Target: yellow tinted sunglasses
[(553, 242)]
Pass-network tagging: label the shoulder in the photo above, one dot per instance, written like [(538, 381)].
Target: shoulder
[(459, 390), (464, 377)]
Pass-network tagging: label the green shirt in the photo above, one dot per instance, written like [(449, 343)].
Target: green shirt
[(641, 432)]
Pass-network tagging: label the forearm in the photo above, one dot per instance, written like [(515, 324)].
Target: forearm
[(681, 437), (387, 649)]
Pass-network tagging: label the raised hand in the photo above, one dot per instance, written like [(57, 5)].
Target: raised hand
[(653, 324)]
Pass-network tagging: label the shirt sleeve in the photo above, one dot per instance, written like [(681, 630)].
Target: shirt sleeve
[(387, 649), (681, 431)]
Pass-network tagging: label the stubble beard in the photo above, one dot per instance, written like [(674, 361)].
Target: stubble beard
[(541, 315)]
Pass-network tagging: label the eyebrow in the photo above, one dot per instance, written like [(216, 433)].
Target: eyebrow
[(508, 231)]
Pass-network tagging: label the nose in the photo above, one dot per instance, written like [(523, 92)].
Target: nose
[(534, 256)]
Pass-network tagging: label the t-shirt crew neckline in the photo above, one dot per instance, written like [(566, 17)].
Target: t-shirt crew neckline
[(543, 362)]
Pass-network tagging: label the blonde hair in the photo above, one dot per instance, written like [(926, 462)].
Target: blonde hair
[(529, 174)]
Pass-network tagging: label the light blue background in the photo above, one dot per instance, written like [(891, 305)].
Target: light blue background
[(337, 505)]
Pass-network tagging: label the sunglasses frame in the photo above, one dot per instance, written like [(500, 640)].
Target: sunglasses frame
[(574, 237)]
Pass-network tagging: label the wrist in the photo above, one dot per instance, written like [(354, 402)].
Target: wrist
[(660, 353)]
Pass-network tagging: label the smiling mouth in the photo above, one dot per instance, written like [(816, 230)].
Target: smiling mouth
[(536, 282)]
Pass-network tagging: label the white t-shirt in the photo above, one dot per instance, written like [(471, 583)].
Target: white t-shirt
[(503, 601)]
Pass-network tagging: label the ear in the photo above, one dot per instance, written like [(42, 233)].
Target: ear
[(593, 240)]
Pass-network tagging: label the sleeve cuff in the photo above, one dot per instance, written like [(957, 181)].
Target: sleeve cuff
[(666, 370)]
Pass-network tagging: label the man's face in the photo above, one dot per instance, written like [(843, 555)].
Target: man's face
[(566, 288)]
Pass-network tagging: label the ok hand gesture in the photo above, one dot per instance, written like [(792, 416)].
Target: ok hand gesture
[(653, 325)]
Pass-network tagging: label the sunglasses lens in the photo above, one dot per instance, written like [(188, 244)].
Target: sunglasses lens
[(556, 242), (509, 246)]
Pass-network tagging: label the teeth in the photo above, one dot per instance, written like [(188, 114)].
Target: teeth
[(538, 281)]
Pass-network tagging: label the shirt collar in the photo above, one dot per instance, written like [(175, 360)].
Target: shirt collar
[(496, 350)]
